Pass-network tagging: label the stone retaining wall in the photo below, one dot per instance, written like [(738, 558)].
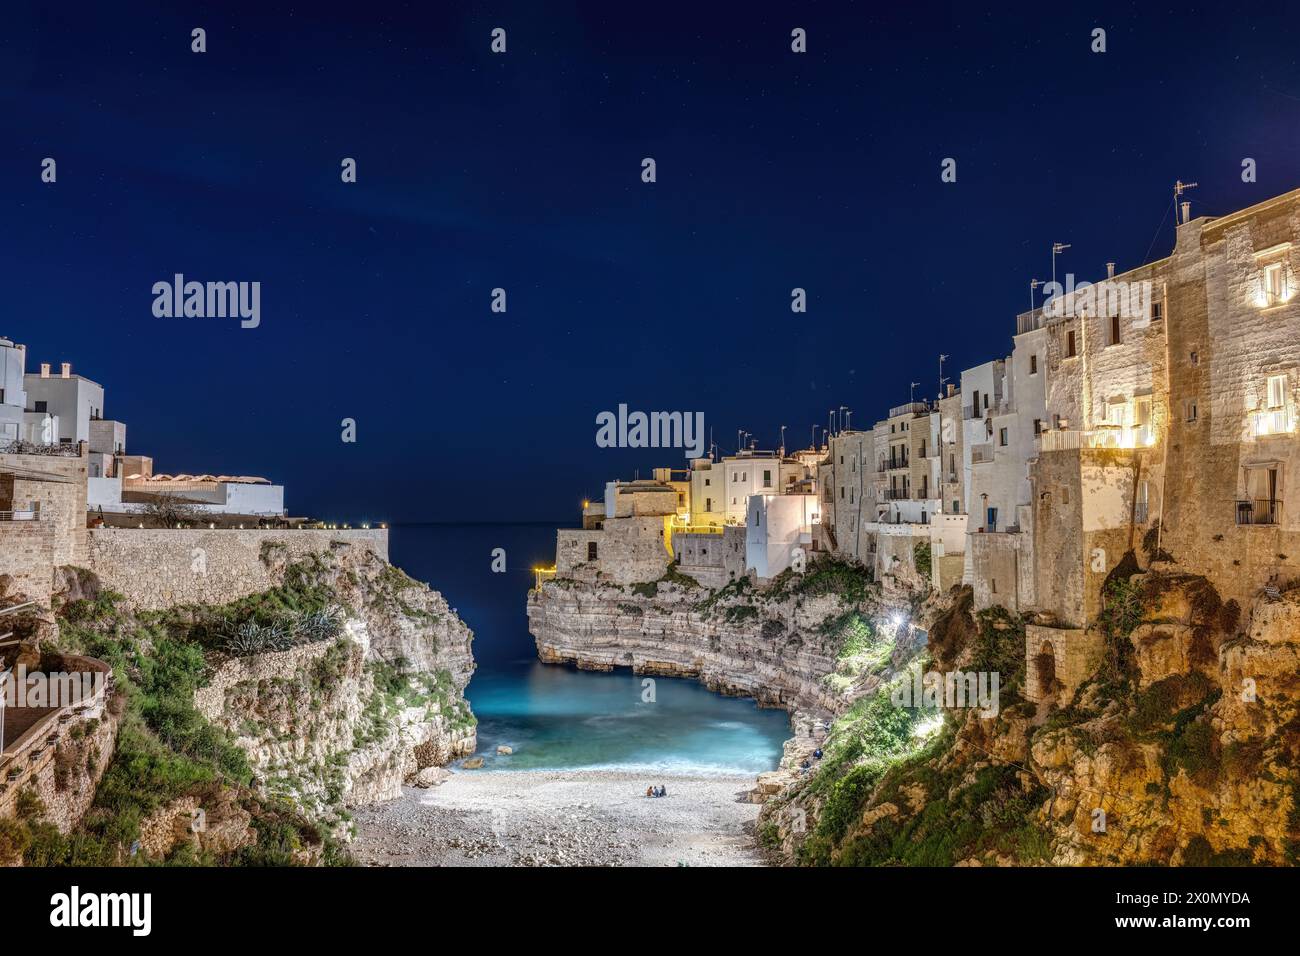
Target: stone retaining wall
[(156, 569)]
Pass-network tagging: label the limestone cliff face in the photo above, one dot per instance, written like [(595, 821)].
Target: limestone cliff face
[(1182, 748), (347, 721), (741, 643)]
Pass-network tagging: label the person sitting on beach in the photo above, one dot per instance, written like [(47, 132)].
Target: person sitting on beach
[(649, 791), (663, 791)]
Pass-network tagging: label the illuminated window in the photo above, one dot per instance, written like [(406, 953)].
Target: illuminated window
[(1276, 391), (1274, 284)]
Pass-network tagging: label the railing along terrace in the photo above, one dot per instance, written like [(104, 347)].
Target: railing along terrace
[(1265, 511), (60, 450), (20, 516)]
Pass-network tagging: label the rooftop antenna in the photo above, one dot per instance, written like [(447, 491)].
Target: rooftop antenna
[(782, 441), (912, 394), (1057, 249), (1179, 188), (848, 419), (814, 437), (830, 423), (1033, 288), (840, 417), (942, 381)]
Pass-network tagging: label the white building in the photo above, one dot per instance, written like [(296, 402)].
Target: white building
[(778, 527), (72, 400), (18, 421)]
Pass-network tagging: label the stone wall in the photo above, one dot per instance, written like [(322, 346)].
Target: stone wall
[(628, 551), (27, 560), (1075, 655), (58, 485), (159, 568)]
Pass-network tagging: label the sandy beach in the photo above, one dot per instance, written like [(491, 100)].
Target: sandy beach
[(562, 818)]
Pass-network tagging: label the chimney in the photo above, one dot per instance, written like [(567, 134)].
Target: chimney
[(67, 370), (1110, 270), (1187, 212), (952, 390), (45, 370)]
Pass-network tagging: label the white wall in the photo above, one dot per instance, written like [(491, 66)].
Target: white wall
[(776, 525)]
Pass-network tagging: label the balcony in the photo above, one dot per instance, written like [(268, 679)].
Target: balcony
[(981, 454), (60, 450), (911, 408), (897, 494), (20, 516), (1265, 511)]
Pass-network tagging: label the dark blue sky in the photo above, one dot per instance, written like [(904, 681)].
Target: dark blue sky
[(476, 170)]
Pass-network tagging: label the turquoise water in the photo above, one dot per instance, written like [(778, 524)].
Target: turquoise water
[(556, 717)]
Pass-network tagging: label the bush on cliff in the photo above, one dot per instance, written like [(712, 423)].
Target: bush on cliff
[(165, 748)]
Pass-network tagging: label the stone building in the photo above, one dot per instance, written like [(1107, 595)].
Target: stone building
[(633, 541), (42, 518), (1234, 383)]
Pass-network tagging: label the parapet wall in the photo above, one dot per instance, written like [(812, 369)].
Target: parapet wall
[(155, 569)]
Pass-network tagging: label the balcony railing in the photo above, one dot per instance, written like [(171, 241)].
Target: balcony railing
[(897, 494), (911, 408), (1266, 511), (61, 450), (20, 516), (981, 454)]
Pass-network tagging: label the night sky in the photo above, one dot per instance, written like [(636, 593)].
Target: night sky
[(522, 171)]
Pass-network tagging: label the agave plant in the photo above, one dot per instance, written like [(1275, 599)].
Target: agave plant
[(251, 637), (319, 625)]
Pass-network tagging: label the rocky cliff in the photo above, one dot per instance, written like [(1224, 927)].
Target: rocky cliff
[(248, 729), (811, 643), (1181, 749)]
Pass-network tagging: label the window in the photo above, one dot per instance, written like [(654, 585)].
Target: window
[(1274, 284), (1157, 311), (1038, 426), (841, 492), (41, 406), (993, 585), (1069, 344), (850, 496), (1276, 391), (591, 550), (708, 504), (2, 396), (756, 522), (707, 482), (1002, 437), (956, 506), (1114, 331), (991, 519), (1190, 410), (767, 478), (1033, 365), (1143, 498)]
